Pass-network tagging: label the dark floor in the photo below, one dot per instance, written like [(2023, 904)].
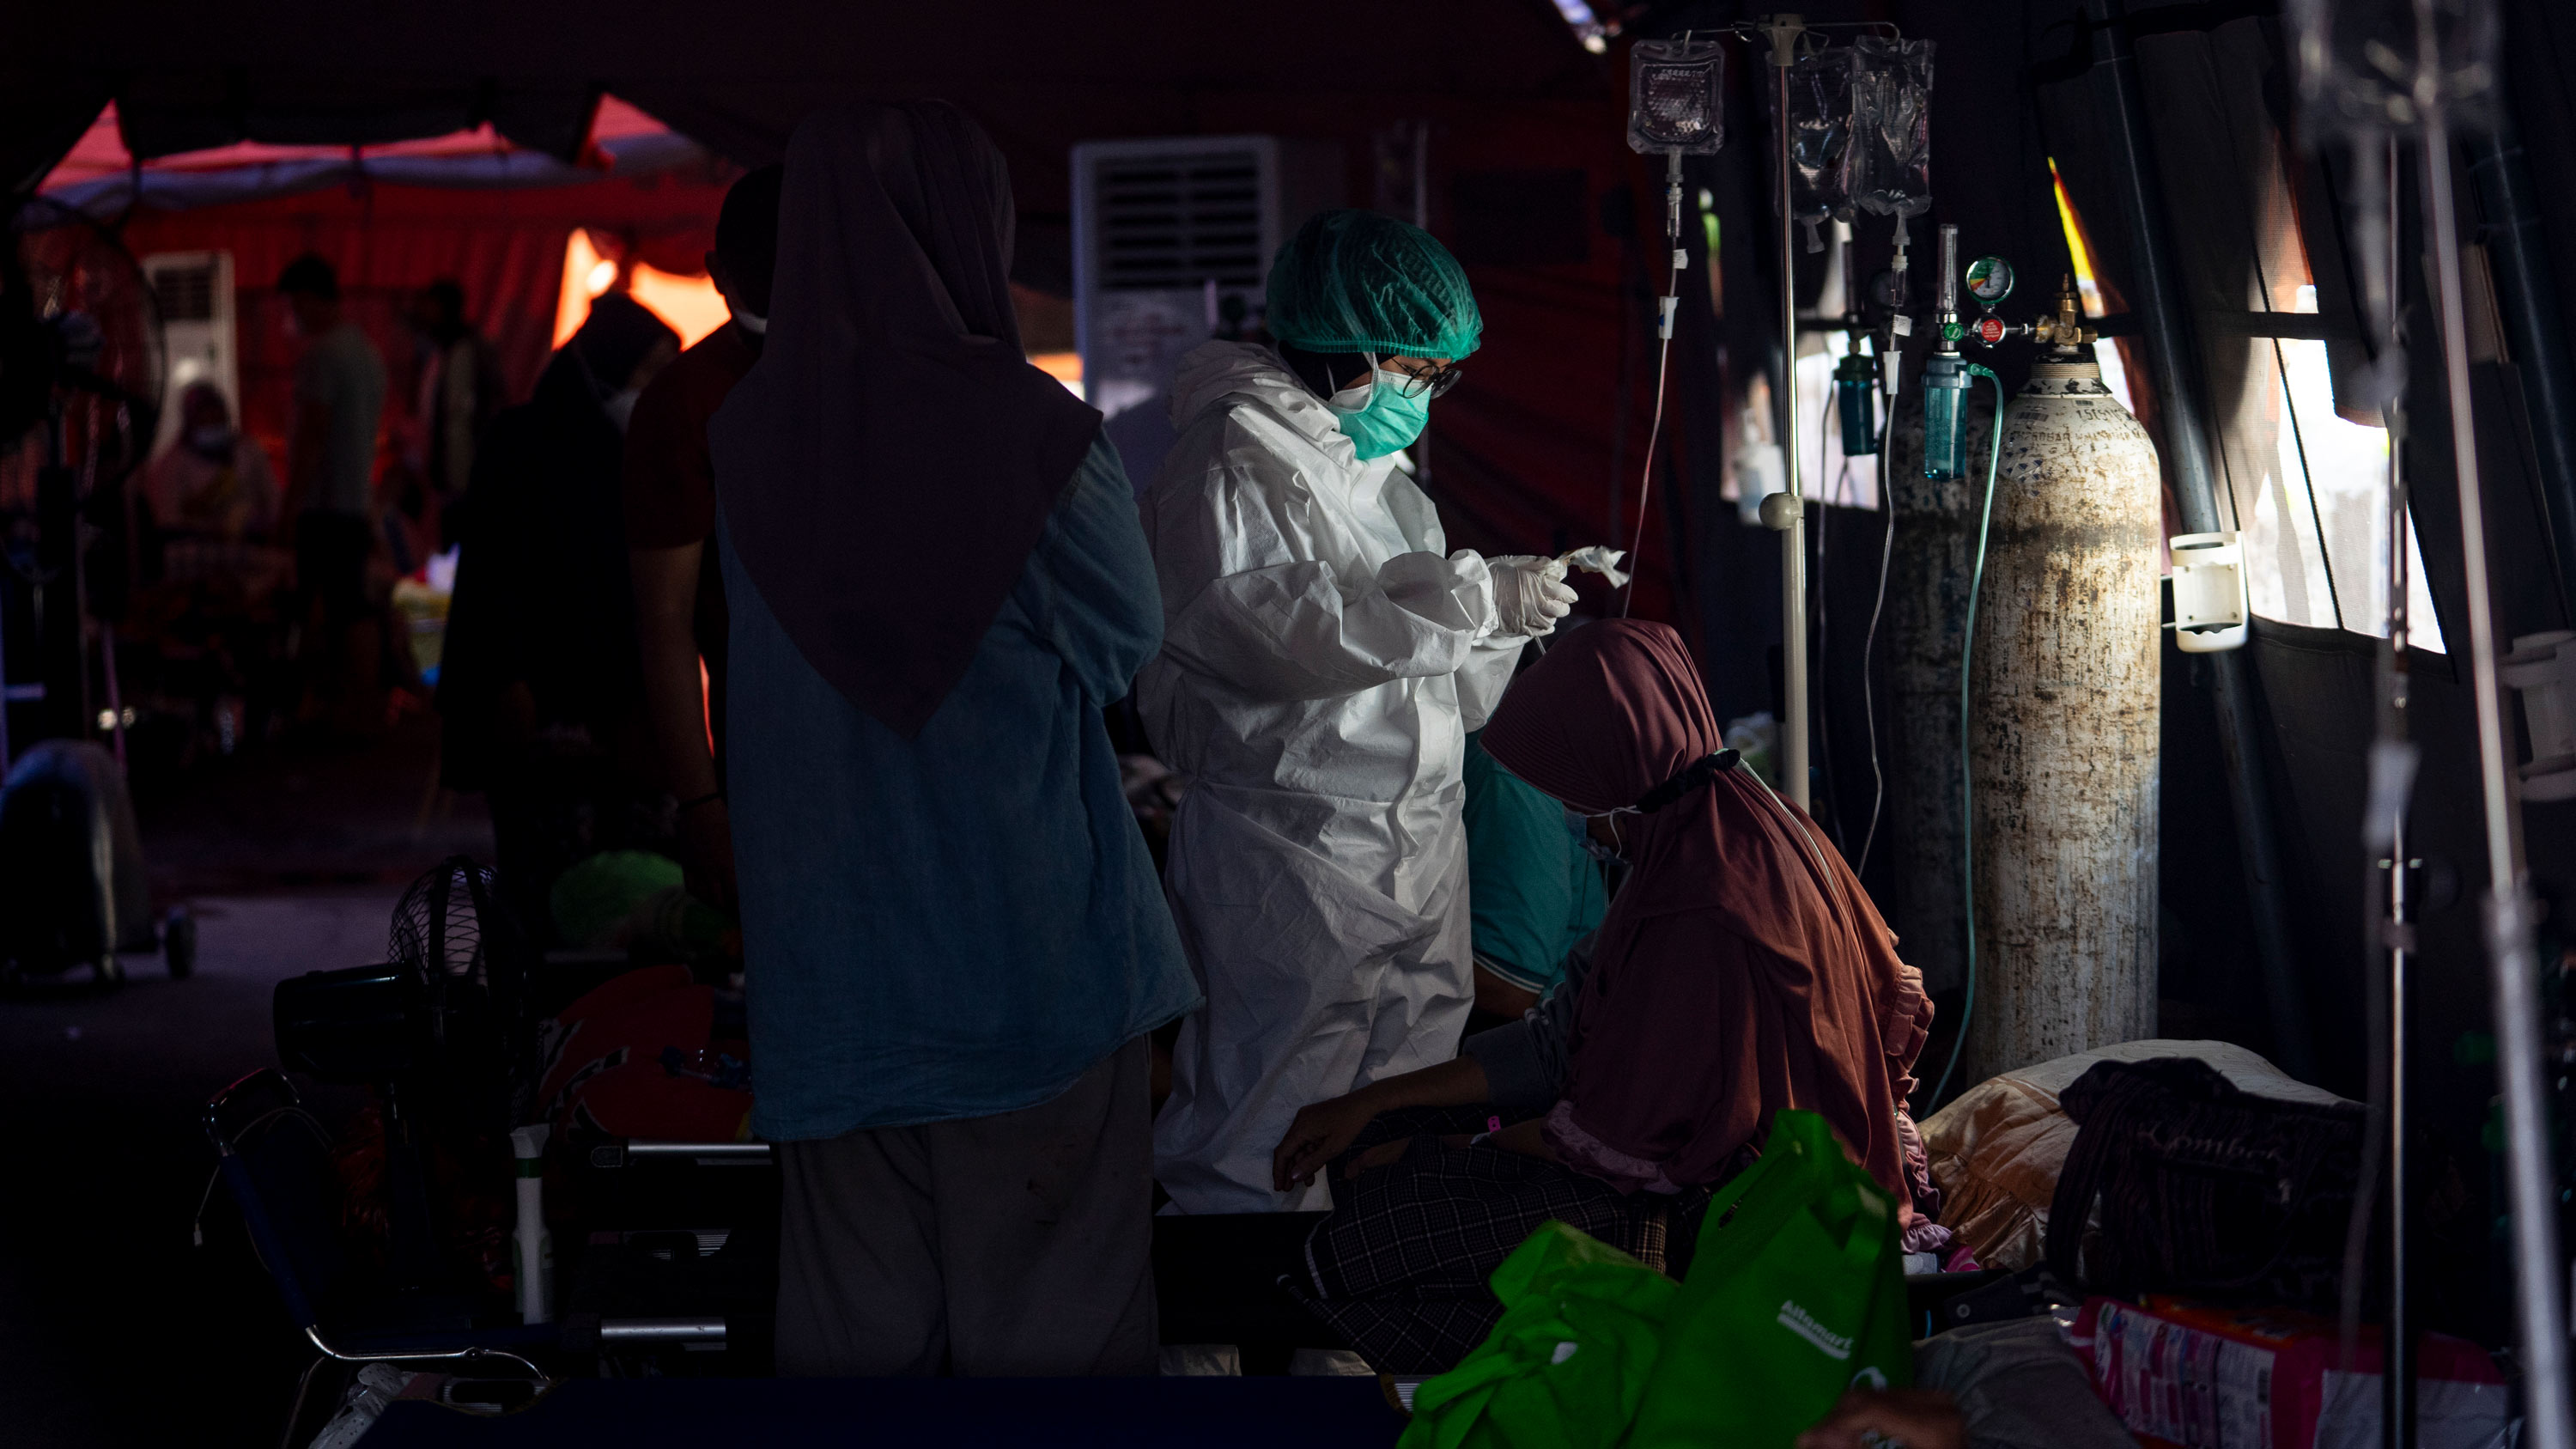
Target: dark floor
[(114, 1330)]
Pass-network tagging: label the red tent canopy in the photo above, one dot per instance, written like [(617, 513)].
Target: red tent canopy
[(469, 206), (1525, 138)]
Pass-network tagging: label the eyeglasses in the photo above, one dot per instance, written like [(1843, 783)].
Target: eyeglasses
[(1425, 378)]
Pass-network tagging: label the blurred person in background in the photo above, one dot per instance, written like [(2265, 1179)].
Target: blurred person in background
[(458, 392), (208, 571), (670, 511), (539, 688), (330, 503), (214, 481)]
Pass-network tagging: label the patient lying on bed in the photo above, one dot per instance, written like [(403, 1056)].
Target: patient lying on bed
[(1741, 969)]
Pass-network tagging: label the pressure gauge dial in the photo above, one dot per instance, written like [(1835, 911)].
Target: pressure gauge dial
[(1990, 280)]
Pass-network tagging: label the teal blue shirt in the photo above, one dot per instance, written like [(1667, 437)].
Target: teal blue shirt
[(1531, 889), (962, 923)]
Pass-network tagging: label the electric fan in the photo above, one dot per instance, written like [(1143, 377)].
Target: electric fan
[(439, 1030), (80, 389)]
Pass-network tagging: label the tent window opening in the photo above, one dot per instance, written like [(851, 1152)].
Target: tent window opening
[(2318, 543), (2305, 484), (1831, 477), (1827, 475), (2108, 352), (1756, 466)]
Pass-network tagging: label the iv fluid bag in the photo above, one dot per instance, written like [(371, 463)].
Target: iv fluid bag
[(1820, 133), (1890, 160), (1674, 90)]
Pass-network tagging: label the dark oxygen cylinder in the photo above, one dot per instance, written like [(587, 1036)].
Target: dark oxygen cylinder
[(1927, 601), (1856, 403)]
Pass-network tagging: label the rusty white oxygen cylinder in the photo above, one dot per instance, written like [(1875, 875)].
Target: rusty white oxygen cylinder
[(2065, 695)]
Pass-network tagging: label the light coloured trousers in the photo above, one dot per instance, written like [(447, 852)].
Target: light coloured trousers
[(1016, 1245)]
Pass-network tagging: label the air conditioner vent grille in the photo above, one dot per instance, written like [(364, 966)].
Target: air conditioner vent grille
[(1181, 221), (186, 294)]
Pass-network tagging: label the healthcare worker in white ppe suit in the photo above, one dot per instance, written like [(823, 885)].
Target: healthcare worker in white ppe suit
[(1324, 656)]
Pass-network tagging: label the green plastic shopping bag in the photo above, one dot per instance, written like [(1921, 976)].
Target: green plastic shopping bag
[(1567, 1363), (1796, 1294)]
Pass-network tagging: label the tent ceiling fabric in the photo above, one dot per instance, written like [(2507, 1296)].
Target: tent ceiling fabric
[(163, 113), (40, 124), (738, 77)]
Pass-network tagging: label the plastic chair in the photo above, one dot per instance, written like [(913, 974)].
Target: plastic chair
[(280, 1178), (274, 1163)]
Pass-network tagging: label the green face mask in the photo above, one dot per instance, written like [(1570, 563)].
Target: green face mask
[(1388, 421)]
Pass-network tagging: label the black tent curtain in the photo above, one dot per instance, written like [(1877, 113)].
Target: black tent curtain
[(307, 70), (38, 130), (2216, 82)]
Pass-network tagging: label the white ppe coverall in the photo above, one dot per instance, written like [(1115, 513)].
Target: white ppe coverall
[(1323, 659)]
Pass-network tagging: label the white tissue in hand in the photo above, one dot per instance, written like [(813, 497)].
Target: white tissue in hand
[(1599, 559)]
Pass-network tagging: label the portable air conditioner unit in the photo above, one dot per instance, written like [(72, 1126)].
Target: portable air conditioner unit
[(1172, 242), (195, 290)]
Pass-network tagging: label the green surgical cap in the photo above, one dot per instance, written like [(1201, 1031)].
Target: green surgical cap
[(1361, 281)]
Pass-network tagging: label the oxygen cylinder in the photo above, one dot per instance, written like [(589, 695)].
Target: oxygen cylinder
[(1927, 601), (2065, 694)]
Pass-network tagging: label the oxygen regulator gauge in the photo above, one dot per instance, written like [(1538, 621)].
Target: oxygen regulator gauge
[(1990, 281)]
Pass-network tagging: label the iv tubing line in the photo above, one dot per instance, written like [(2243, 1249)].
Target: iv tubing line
[(1646, 483), (1654, 430), (1967, 801)]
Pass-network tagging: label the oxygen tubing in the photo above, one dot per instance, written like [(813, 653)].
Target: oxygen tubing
[(1967, 801), (1869, 641)]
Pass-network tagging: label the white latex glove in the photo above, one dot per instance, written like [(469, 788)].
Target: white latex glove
[(1530, 594)]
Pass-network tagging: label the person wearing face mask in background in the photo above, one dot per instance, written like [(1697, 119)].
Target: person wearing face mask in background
[(540, 689), (1324, 656), (214, 480), (205, 567)]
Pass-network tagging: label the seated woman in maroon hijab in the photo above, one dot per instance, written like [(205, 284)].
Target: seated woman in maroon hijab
[(1740, 969)]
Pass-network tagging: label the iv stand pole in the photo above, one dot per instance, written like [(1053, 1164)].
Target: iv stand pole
[(2395, 755), (1790, 518), (2389, 937), (2540, 1274)]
